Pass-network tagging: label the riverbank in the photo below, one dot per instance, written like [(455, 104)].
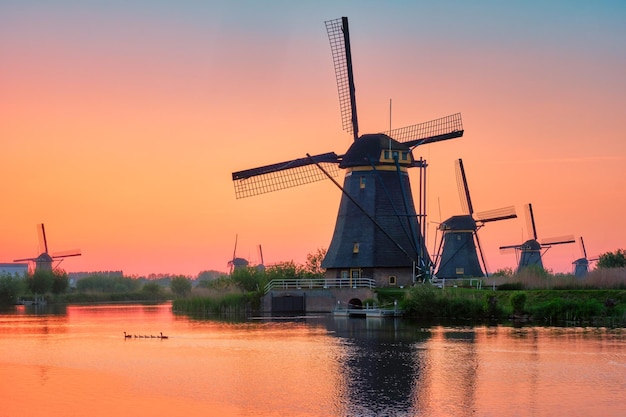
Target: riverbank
[(592, 307)]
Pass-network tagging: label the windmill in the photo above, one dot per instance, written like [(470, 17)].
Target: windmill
[(459, 241), (532, 250), (378, 232), (235, 262), (43, 262), (581, 265)]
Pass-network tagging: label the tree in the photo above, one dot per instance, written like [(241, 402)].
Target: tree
[(60, 281), (153, 290), (40, 282), (313, 266), (180, 286), (10, 289), (503, 272), (615, 259), (248, 278)]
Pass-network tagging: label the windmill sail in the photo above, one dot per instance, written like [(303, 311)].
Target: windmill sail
[(284, 175), (339, 37), (444, 128)]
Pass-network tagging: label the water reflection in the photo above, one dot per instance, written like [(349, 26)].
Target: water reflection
[(379, 369), (76, 359)]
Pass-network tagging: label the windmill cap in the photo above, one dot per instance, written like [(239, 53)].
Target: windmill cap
[(366, 150), (44, 257), (531, 245), (462, 222)]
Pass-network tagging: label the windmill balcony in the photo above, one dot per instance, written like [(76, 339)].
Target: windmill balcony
[(319, 283)]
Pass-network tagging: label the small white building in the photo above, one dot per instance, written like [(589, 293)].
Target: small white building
[(19, 269)]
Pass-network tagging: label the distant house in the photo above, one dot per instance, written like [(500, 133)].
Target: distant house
[(20, 269)]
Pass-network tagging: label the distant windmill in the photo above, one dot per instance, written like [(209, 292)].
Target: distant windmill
[(459, 257), (532, 250), (261, 266), (581, 265), (43, 262), (378, 232), (235, 262)]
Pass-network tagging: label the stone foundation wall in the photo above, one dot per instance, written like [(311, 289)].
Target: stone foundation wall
[(318, 300)]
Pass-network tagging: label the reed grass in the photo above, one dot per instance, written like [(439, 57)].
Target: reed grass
[(537, 279)]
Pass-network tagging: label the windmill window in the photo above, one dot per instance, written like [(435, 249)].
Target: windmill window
[(355, 273), (405, 156), (344, 274), (355, 248), (362, 182), (392, 280), (386, 155), (460, 271)]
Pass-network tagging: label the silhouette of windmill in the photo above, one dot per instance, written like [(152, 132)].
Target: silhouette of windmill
[(459, 257), (532, 251), (581, 265), (378, 232), (235, 262), (43, 262)]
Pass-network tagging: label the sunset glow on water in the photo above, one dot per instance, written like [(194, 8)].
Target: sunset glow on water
[(77, 361)]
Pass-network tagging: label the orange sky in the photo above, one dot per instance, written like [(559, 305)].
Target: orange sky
[(121, 124)]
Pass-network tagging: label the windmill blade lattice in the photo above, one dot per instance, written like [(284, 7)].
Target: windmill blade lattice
[(444, 128), (497, 214), (463, 188), (66, 253), (339, 37), (530, 222), (559, 240), (284, 175), (43, 243)]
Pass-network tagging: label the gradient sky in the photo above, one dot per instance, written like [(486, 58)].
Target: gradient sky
[(122, 121)]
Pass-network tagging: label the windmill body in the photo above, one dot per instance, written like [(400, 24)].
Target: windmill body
[(460, 246), (378, 233), (530, 254), (581, 267), (459, 257), (377, 229)]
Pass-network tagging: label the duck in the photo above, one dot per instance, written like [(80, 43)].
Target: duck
[(163, 337), (127, 335)]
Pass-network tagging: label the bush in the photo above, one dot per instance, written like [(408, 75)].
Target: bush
[(518, 300)]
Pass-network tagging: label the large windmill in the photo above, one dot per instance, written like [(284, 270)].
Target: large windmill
[(378, 232), (531, 251), (459, 242), (44, 261), (581, 265)]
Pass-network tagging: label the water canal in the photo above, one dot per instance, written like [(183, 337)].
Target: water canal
[(75, 361)]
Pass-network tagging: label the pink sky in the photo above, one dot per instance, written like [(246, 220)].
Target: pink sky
[(121, 125)]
